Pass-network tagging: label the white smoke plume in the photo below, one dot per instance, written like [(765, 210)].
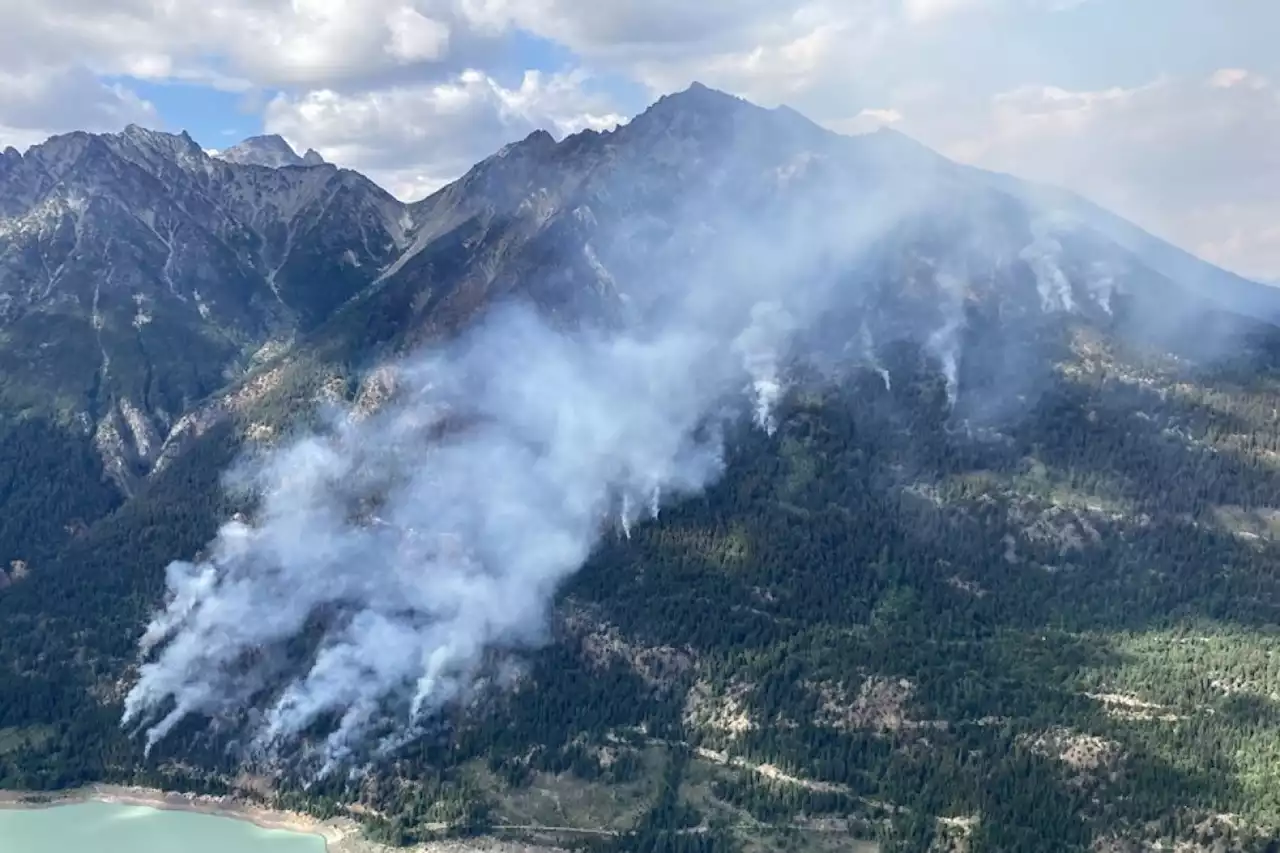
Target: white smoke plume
[(629, 514), (761, 347), (1058, 291), (946, 341), (868, 346), (417, 541), (626, 516), (1102, 285), (1042, 255)]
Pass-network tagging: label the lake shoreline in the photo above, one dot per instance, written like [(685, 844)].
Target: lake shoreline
[(338, 834)]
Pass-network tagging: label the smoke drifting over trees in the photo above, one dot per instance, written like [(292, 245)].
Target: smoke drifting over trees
[(422, 538), (408, 551), (423, 550)]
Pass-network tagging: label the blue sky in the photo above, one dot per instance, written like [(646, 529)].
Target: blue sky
[(1167, 111), (213, 117)]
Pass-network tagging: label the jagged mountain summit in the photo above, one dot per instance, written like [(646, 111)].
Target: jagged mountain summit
[(269, 150), (139, 274)]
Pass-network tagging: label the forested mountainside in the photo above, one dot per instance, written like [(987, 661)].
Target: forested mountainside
[(997, 572)]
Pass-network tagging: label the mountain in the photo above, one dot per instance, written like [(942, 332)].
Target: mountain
[(269, 150), (991, 564), (139, 275)]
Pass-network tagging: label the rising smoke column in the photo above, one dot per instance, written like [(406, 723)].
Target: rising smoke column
[(761, 347), (946, 341), (1043, 255), (428, 535), (868, 347)]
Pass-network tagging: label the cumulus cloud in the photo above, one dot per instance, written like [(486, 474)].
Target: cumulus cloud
[(761, 50), (638, 31), (357, 43), (789, 61), (57, 49), (414, 138), (244, 42), (39, 102), (627, 28)]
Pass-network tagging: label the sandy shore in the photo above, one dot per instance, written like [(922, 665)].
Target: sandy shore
[(340, 835)]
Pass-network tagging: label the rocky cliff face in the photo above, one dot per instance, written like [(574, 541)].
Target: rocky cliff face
[(138, 275)]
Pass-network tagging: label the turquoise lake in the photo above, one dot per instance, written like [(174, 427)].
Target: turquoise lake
[(110, 828)]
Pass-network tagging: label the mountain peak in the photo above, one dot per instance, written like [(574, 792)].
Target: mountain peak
[(697, 111), (711, 120), (180, 145), (270, 150), (535, 143), (699, 96)]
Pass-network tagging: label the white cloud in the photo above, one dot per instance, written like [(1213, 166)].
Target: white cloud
[(412, 139), (785, 61), (764, 50), (415, 37), (38, 103), (866, 121), (1194, 160), (263, 42), (929, 11), (1241, 237), (629, 28), (921, 11), (754, 46)]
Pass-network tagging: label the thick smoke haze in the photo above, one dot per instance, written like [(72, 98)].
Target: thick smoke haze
[(433, 531)]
